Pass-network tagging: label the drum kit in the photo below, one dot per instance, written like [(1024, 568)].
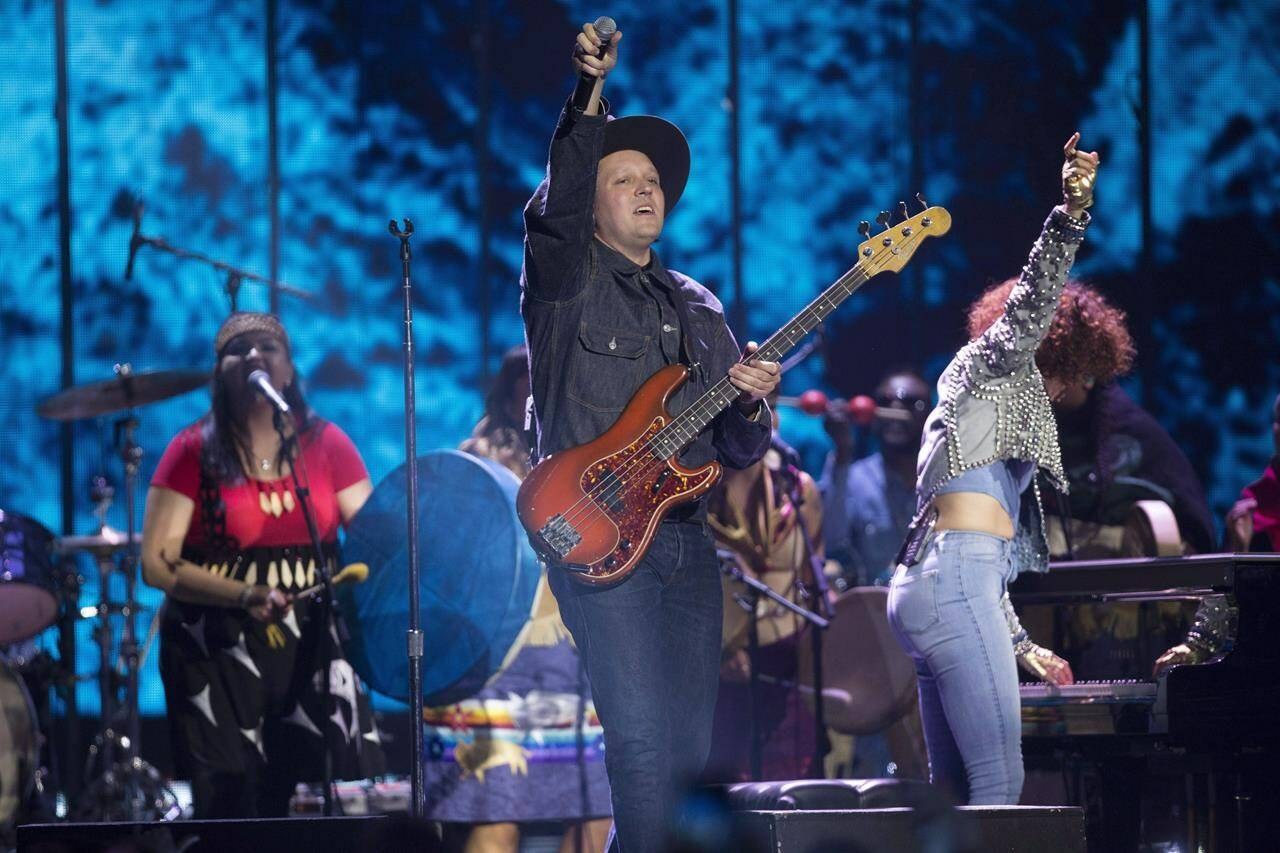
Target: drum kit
[(40, 587)]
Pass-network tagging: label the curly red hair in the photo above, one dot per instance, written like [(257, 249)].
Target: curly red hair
[(1088, 336)]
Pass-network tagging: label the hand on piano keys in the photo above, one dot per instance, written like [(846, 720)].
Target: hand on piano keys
[(1046, 666), (1177, 656)]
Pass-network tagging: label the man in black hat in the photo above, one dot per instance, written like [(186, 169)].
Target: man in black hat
[(601, 315)]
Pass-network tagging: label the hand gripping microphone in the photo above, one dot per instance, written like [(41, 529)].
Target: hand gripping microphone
[(605, 28), (261, 382)]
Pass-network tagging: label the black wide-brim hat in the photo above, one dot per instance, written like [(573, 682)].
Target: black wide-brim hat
[(660, 141)]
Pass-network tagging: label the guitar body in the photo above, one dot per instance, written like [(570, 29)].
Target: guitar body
[(595, 508)]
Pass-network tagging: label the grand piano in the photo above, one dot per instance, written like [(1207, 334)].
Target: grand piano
[(1210, 732), (1112, 618)]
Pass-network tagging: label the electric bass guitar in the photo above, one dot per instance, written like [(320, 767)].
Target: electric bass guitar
[(594, 509)]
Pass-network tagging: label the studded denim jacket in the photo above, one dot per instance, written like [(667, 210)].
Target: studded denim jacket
[(992, 404)]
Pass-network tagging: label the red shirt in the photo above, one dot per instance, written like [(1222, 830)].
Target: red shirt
[(266, 513), (1266, 491)]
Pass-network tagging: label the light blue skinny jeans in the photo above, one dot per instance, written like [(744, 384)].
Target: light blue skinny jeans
[(946, 612)]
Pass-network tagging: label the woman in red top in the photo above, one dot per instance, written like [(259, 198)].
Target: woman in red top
[(242, 660)]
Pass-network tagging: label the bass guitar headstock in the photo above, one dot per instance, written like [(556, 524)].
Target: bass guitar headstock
[(890, 250)]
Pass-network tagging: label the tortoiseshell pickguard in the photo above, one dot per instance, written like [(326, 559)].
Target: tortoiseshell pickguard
[(632, 502)]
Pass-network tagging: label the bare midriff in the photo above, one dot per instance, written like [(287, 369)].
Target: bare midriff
[(973, 511)]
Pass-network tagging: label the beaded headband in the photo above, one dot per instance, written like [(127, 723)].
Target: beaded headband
[(248, 321)]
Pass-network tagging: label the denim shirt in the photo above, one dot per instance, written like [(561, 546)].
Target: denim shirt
[(992, 402), (598, 325), (866, 511)]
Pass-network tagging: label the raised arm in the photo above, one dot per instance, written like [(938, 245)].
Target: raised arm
[(1010, 343), (559, 218)]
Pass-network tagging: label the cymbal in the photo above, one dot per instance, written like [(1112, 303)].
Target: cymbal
[(105, 541), (123, 392)]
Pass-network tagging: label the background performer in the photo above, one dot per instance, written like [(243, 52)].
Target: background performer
[(1113, 451), (243, 660), (869, 502), (515, 754), (769, 517)]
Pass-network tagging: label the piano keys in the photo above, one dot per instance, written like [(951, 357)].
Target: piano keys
[(1087, 708), (1112, 618)]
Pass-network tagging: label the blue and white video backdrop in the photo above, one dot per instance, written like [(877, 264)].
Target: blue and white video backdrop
[(442, 112)]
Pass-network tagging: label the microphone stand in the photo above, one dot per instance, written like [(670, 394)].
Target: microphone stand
[(749, 600), (329, 647), (821, 744), (131, 455), (413, 636), (235, 275)]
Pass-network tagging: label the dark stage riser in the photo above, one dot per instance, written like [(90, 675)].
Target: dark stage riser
[(1007, 829), (277, 835)]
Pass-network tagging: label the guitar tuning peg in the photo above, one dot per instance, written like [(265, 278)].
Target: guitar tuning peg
[(902, 208), (883, 219), (923, 203), (864, 228)]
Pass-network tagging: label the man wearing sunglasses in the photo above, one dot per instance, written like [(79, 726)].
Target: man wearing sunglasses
[(869, 503)]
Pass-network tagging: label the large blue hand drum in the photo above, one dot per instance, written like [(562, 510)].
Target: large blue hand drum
[(477, 577)]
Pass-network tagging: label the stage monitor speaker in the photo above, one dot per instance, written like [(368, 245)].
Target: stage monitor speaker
[(277, 835)]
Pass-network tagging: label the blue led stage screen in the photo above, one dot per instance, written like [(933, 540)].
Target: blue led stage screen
[(443, 111)]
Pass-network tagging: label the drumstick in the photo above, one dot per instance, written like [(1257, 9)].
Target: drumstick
[(355, 573)]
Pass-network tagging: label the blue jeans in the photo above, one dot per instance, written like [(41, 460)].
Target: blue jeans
[(652, 650), (946, 612)]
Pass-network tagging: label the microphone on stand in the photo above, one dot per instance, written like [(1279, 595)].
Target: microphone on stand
[(605, 28), (862, 410), (135, 241), (261, 382)]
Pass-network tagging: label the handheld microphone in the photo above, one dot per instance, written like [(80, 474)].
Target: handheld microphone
[(261, 383), (605, 28), (135, 241)]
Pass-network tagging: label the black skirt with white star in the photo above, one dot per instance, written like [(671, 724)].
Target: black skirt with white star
[(246, 710)]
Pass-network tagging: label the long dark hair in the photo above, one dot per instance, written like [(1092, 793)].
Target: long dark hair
[(515, 364), (226, 450)]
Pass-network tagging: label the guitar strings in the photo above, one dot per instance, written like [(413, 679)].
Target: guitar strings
[(581, 511), (648, 462)]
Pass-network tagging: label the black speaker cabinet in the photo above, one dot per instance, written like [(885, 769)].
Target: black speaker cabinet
[(989, 829)]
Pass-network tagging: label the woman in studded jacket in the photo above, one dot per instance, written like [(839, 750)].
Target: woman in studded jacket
[(979, 523), (243, 661)]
